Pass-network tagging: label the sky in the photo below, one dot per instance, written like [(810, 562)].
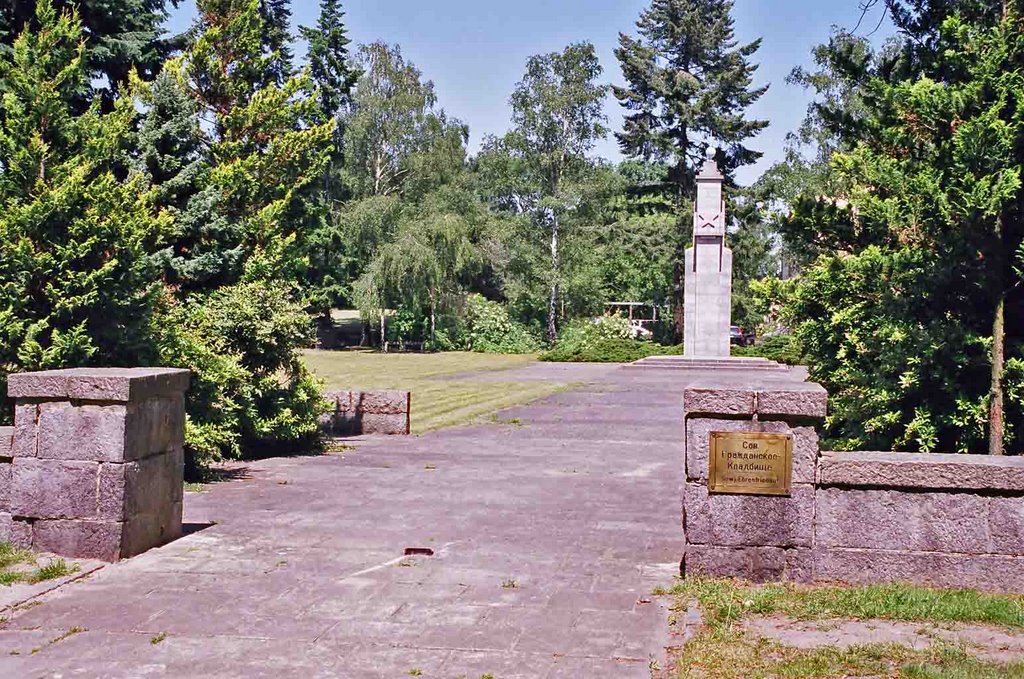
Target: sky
[(475, 51)]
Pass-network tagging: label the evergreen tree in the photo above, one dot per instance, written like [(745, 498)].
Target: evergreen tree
[(915, 326), (76, 287), (120, 35), (266, 151), (330, 62), (172, 151), (689, 86), (241, 330), (334, 74), (276, 16)]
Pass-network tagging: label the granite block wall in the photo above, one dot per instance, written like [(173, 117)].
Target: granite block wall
[(368, 412), (942, 520)]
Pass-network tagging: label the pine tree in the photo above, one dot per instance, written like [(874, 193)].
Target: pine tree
[(915, 328), (276, 36), (689, 86), (172, 150), (335, 74), (240, 332), (120, 35), (76, 287), (330, 62), (266, 150)]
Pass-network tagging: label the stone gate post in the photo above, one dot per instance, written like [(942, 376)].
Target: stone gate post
[(755, 537), (93, 467)]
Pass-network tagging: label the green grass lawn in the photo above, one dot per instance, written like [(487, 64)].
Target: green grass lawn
[(446, 389), (722, 649)]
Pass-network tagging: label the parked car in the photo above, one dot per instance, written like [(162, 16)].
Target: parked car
[(740, 337)]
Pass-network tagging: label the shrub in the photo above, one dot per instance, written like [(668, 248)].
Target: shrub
[(605, 340), (608, 351), (490, 330), (780, 348), (250, 389)]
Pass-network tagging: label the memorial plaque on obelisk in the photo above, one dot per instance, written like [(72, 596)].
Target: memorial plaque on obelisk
[(708, 295)]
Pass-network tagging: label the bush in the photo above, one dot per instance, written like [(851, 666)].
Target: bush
[(779, 348), (608, 351), (605, 340), (250, 389), (490, 330)]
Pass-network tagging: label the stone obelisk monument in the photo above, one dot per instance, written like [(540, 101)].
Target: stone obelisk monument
[(708, 295)]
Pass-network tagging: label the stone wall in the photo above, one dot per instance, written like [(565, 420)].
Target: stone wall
[(368, 412), (944, 520), (94, 464)]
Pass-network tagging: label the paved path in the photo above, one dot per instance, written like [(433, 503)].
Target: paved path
[(548, 532)]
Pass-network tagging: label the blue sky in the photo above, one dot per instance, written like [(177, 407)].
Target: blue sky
[(475, 50)]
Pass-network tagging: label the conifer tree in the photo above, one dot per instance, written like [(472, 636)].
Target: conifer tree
[(172, 151), (76, 287), (276, 16), (330, 62), (119, 35), (240, 331), (689, 84), (266, 148), (915, 325)]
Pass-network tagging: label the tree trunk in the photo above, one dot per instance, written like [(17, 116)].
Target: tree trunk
[(995, 416), (383, 331), (553, 301), (433, 317), (996, 423)]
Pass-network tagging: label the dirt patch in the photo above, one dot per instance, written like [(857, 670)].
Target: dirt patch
[(987, 643)]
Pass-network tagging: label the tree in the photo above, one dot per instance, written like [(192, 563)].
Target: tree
[(119, 35), (689, 85), (557, 117), (76, 287), (266, 152), (397, 141), (241, 330), (331, 65), (276, 36), (915, 325), (172, 149)]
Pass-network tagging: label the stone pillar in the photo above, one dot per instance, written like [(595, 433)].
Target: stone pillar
[(96, 462), (751, 536), (708, 294)]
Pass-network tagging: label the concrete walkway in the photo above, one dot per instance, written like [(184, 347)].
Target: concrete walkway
[(548, 532)]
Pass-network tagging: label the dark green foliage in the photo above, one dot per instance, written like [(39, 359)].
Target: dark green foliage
[(330, 62), (76, 286), (903, 324), (120, 35), (779, 348), (250, 388), (689, 86), (607, 351), (275, 34), (202, 247)]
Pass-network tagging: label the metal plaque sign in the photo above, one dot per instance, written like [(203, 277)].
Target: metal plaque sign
[(750, 463)]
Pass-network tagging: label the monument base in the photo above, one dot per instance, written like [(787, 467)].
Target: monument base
[(708, 300)]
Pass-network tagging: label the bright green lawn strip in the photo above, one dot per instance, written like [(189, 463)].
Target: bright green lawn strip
[(725, 601), (372, 370), (723, 653), (480, 404), (438, 401)]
